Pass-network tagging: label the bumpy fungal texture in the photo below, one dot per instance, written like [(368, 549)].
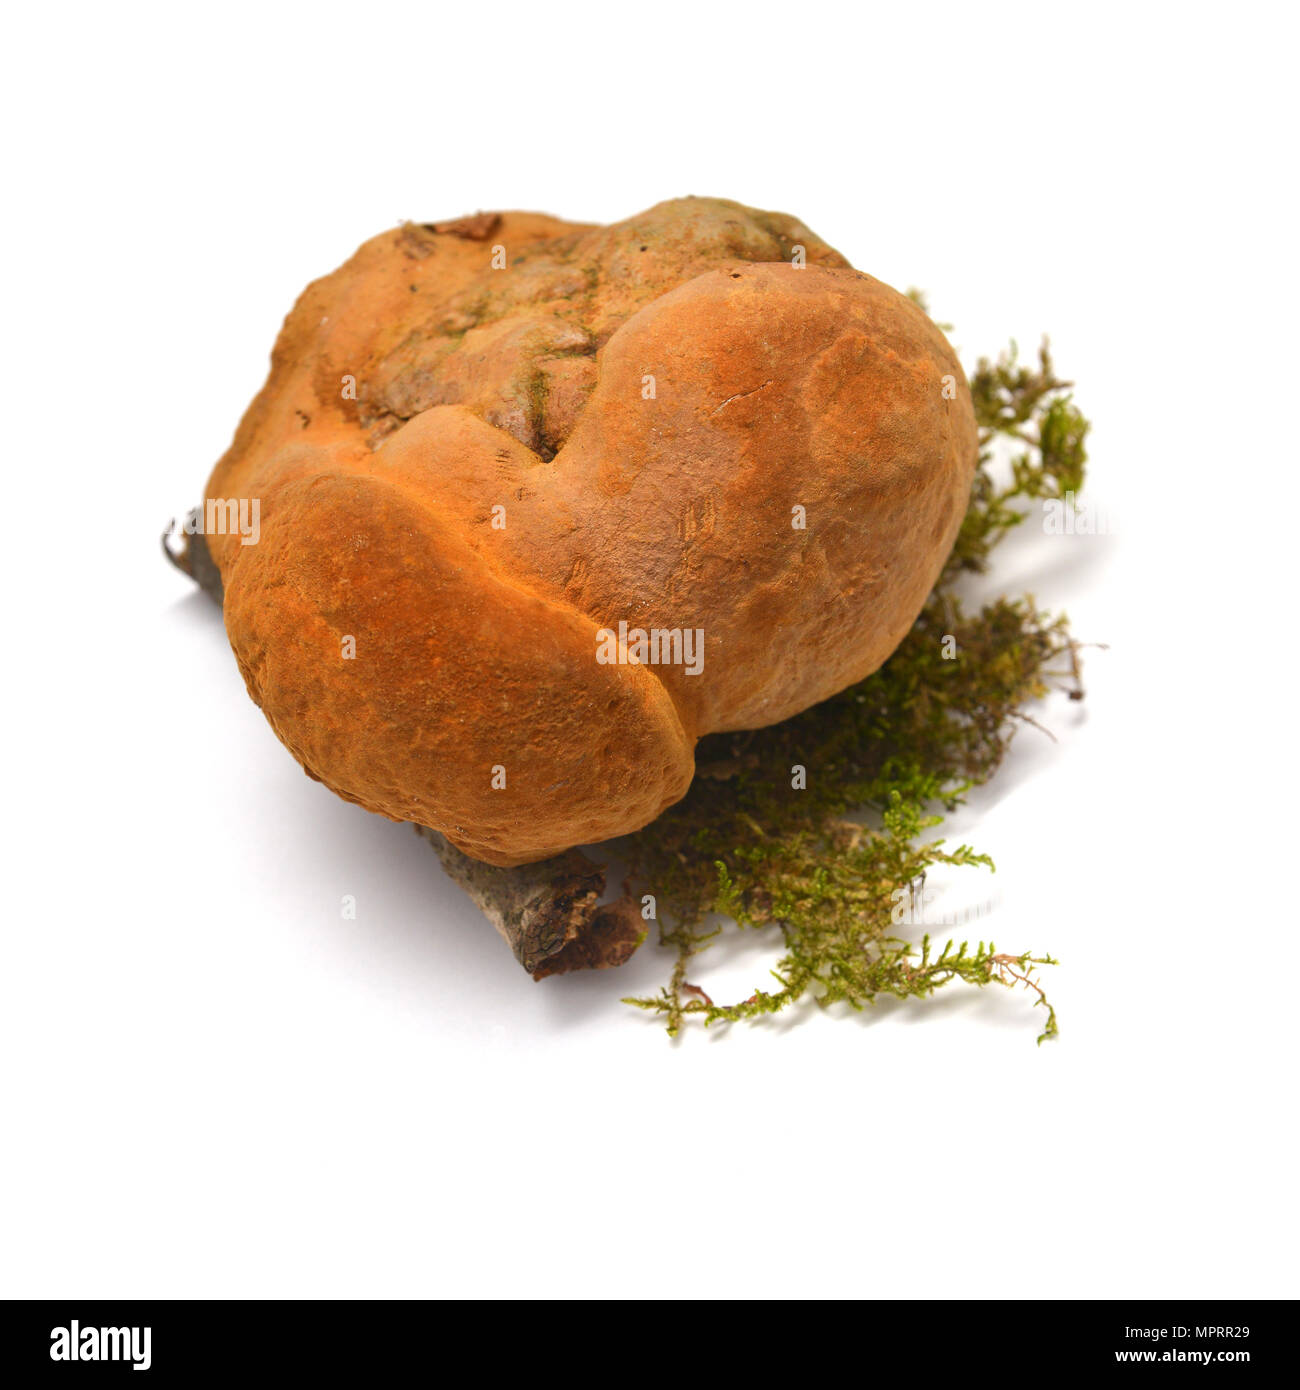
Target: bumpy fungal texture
[(649, 407)]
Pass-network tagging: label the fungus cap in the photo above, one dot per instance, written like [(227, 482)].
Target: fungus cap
[(493, 452)]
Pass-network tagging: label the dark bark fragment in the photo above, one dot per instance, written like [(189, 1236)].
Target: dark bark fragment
[(548, 912), (194, 559)]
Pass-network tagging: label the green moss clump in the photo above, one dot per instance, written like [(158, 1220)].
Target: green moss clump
[(907, 743)]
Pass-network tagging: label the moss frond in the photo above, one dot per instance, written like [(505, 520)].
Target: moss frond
[(828, 864)]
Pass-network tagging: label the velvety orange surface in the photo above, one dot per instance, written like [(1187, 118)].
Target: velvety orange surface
[(649, 403)]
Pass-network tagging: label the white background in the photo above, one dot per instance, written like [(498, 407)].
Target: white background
[(212, 1084)]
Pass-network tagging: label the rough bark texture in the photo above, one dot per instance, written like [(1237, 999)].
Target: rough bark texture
[(195, 560), (549, 913)]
